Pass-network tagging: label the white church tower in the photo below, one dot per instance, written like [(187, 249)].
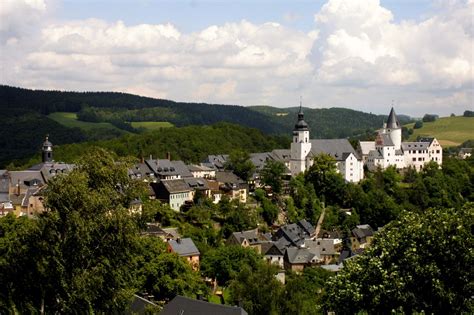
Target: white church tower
[(394, 129), (300, 145)]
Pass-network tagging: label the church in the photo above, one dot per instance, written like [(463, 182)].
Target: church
[(303, 150), (389, 150)]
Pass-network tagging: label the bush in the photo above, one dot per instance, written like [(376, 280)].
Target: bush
[(418, 124)]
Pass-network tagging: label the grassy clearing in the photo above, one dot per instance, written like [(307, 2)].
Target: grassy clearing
[(450, 131), (70, 120), (152, 125)]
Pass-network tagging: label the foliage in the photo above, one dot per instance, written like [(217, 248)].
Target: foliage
[(224, 263), (329, 184), (429, 118), (418, 124), (305, 200), (468, 113), (165, 275), (271, 175), (84, 246), (303, 292), (257, 289), (239, 162), (420, 262)]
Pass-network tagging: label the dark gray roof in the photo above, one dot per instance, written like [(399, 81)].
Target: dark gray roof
[(392, 120), (387, 141), (184, 247), (228, 177), (426, 139), (181, 305), (175, 185), (164, 167), (282, 155), (259, 159), (415, 146), (295, 233), (217, 161), (139, 305), (301, 125), (196, 183), (361, 231), (295, 255), (271, 248), (26, 178), (252, 236), (333, 147), (181, 168)]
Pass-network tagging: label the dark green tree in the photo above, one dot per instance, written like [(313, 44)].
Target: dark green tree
[(271, 175), (421, 262), (224, 263), (239, 162)]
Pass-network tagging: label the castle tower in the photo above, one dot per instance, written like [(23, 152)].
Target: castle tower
[(300, 145), (47, 151), (394, 129)]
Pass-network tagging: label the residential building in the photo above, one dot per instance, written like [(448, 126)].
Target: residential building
[(464, 153), (297, 258), (175, 192), (361, 237), (185, 247), (251, 238)]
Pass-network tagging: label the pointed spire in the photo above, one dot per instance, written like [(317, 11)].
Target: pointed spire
[(301, 124), (392, 120)]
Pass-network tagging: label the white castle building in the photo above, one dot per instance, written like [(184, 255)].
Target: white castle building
[(388, 148), (303, 150)]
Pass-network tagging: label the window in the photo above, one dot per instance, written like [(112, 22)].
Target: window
[(437, 151), (419, 159), (414, 159)]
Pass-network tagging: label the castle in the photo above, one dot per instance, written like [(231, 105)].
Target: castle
[(389, 150)]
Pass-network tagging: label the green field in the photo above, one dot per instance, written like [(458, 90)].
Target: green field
[(450, 131), (151, 125), (70, 120)]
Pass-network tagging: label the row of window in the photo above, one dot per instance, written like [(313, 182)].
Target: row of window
[(180, 195)]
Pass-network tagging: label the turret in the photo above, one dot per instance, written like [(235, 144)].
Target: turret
[(47, 151), (394, 129)]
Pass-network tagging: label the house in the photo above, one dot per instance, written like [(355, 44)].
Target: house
[(297, 258), (185, 247), (328, 250), (251, 238), (200, 185), (389, 150), (303, 150), (273, 254), (361, 237), (167, 169), (202, 171), (175, 192), (232, 186), (294, 234), (166, 234), (464, 153), (181, 305)]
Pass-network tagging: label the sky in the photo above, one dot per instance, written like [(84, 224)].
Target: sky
[(368, 55)]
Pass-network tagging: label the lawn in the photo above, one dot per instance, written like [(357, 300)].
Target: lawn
[(70, 120), (151, 125), (450, 131)]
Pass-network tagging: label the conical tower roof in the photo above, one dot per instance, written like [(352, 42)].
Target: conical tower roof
[(301, 125), (392, 120)]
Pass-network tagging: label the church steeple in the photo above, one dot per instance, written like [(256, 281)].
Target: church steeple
[(47, 150), (301, 125), (392, 120)]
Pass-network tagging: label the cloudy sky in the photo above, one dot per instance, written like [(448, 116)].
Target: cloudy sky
[(366, 55)]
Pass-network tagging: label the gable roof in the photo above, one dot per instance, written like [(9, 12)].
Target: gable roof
[(295, 255), (415, 145), (361, 231), (271, 248), (333, 147), (184, 247)]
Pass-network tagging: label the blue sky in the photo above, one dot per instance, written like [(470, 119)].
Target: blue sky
[(195, 15), (360, 54)]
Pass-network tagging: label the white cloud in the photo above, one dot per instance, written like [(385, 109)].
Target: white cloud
[(357, 56)]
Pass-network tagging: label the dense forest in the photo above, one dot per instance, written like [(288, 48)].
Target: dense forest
[(191, 144)]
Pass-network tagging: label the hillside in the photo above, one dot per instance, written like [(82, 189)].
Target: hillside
[(450, 131), (191, 144), (69, 117)]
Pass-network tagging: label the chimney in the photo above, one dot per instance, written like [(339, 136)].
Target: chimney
[(151, 157), (178, 240), (18, 188), (142, 160), (168, 156)]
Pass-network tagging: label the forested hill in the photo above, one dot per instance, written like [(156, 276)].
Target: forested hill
[(329, 122), (178, 113), (70, 117)]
